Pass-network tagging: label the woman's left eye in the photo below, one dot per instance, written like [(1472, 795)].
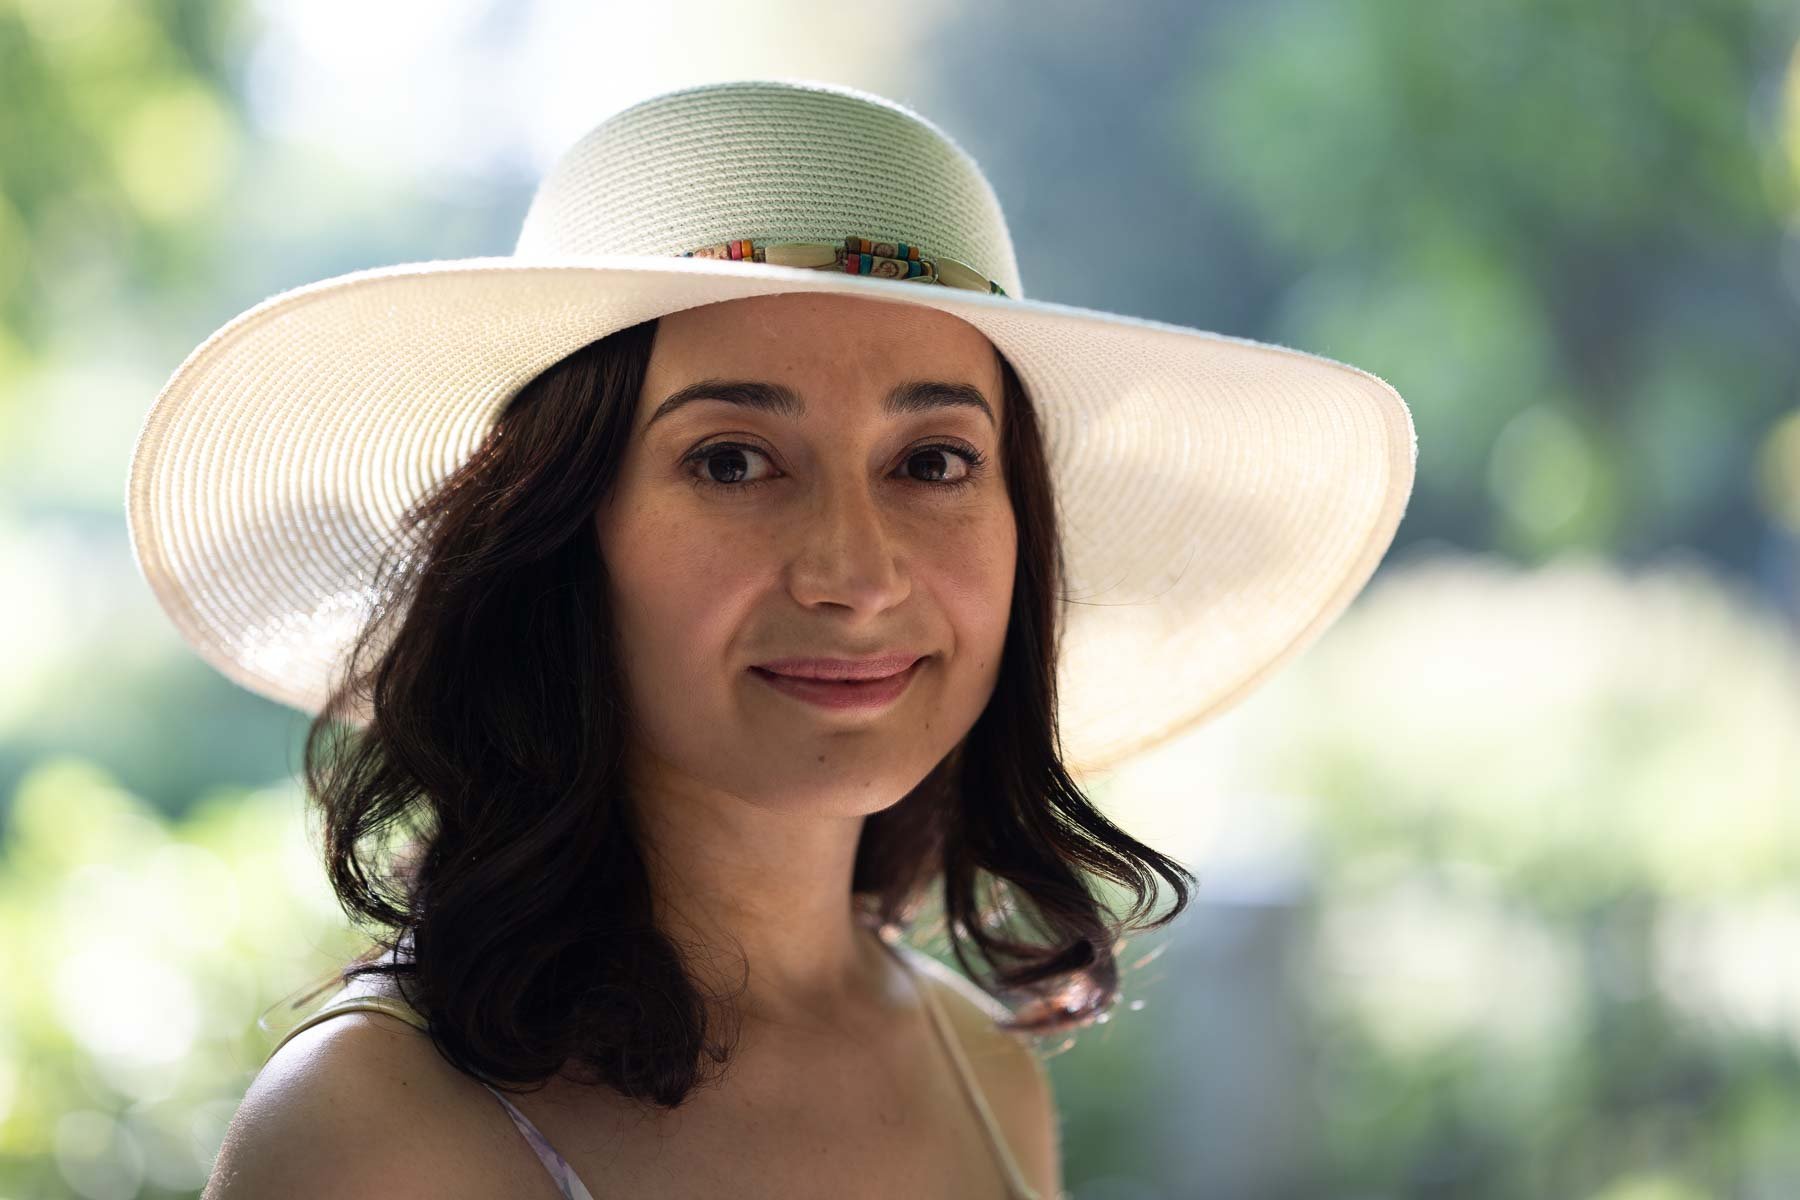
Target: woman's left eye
[(706, 456)]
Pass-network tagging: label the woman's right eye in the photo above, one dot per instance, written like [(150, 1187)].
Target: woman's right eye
[(726, 452)]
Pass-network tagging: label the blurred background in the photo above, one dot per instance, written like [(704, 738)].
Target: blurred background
[(1500, 881)]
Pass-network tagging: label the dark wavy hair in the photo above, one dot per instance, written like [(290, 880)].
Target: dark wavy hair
[(517, 900)]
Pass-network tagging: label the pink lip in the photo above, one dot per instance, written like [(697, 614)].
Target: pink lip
[(869, 695), (842, 669)]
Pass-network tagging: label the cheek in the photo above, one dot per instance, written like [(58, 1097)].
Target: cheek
[(973, 580), (678, 592)]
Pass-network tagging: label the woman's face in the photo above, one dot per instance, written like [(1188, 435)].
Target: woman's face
[(841, 531)]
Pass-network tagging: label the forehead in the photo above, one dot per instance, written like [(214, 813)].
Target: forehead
[(809, 335)]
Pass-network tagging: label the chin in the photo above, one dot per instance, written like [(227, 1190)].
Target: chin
[(827, 780)]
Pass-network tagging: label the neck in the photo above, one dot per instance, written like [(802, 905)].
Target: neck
[(759, 903)]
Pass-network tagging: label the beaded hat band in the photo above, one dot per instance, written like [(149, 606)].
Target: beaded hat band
[(855, 256)]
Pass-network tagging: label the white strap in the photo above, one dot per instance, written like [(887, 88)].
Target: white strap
[(1015, 1179), (381, 1004)]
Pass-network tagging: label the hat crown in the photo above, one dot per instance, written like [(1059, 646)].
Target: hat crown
[(768, 159)]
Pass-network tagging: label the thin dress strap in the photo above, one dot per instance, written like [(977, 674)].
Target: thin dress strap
[(381, 1004), (1015, 1178), (561, 1173)]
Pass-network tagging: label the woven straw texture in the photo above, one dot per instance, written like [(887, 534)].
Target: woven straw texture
[(797, 163), (1222, 500)]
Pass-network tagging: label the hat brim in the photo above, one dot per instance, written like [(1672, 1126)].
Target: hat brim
[(1222, 499)]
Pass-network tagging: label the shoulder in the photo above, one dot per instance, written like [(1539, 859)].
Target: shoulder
[(1010, 1070), (362, 1105)]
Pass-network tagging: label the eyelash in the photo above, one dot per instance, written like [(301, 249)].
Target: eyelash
[(976, 459)]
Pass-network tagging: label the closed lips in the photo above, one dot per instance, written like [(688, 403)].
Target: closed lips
[(840, 671)]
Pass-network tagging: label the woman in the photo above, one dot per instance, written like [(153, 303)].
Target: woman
[(657, 854)]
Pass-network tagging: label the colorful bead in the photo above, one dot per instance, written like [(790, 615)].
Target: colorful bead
[(855, 256)]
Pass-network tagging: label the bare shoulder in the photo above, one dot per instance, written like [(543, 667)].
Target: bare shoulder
[(1011, 1072), (362, 1105)]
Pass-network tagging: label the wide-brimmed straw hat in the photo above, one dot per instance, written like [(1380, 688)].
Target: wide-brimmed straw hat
[(1222, 500)]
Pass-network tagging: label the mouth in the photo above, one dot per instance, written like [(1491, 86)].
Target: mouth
[(843, 670), (867, 695)]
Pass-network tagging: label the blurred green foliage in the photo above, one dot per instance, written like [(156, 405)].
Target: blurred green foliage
[(1541, 902), (119, 145), (1555, 227), (144, 954)]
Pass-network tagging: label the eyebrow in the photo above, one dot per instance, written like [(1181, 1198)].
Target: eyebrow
[(912, 396)]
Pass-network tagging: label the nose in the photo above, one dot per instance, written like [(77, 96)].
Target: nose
[(849, 554)]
